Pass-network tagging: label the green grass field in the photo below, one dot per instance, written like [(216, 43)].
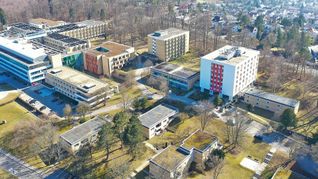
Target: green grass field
[(217, 128), (13, 113)]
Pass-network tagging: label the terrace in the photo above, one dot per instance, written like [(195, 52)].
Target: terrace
[(169, 158)]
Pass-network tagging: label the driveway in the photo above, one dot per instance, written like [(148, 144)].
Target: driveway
[(17, 167)]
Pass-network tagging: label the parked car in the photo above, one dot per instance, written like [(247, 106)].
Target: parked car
[(258, 137)]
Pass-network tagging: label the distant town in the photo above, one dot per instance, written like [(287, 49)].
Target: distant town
[(151, 89)]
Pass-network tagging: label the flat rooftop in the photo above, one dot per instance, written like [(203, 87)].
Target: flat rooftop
[(77, 78), (90, 23), (22, 51), (47, 22), (69, 41), (26, 27), (111, 49), (170, 158), (272, 97), (168, 33), (157, 114), (231, 55), (65, 27), (199, 140), (175, 70), (82, 131)]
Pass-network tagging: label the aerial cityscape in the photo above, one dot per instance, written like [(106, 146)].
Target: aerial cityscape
[(159, 89)]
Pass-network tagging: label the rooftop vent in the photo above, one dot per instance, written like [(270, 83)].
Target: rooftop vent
[(55, 71), (102, 49), (89, 86), (229, 53)]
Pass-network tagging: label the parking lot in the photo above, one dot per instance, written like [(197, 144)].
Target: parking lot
[(53, 100)]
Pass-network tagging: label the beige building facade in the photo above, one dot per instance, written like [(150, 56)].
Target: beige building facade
[(168, 44), (106, 58), (79, 86), (270, 102)]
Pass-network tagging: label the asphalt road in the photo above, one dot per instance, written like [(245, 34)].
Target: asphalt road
[(17, 167)]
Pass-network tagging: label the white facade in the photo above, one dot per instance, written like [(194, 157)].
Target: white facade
[(229, 70), (22, 60)]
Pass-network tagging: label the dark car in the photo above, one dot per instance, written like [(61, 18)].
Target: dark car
[(258, 137)]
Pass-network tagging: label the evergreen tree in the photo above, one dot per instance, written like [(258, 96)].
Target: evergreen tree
[(288, 118), (106, 139), (120, 121), (133, 136), (3, 17)]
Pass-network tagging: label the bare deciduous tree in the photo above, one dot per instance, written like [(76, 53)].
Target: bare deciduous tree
[(236, 127), (204, 109)]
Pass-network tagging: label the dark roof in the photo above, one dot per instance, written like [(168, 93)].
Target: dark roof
[(66, 27), (157, 114), (272, 97), (26, 27), (66, 39)]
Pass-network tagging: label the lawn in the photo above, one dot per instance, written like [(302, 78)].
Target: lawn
[(5, 175), (13, 113), (116, 158), (11, 96), (133, 93), (217, 128), (232, 168)]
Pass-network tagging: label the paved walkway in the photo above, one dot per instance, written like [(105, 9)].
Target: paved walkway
[(17, 167)]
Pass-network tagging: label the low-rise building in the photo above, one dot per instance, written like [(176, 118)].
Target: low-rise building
[(271, 102), (79, 86), (174, 162), (229, 70), (168, 44), (178, 76), (104, 59), (83, 134), (157, 119)]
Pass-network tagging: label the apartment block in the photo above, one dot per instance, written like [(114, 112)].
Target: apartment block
[(79, 86), (106, 58), (229, 70), (168, 44), (157, 119), (174, 162), (178, 76), (83, 134), (270, 102)]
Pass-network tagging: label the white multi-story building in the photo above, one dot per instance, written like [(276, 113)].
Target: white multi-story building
[(228, 70), (79, 86), (22, 60)]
